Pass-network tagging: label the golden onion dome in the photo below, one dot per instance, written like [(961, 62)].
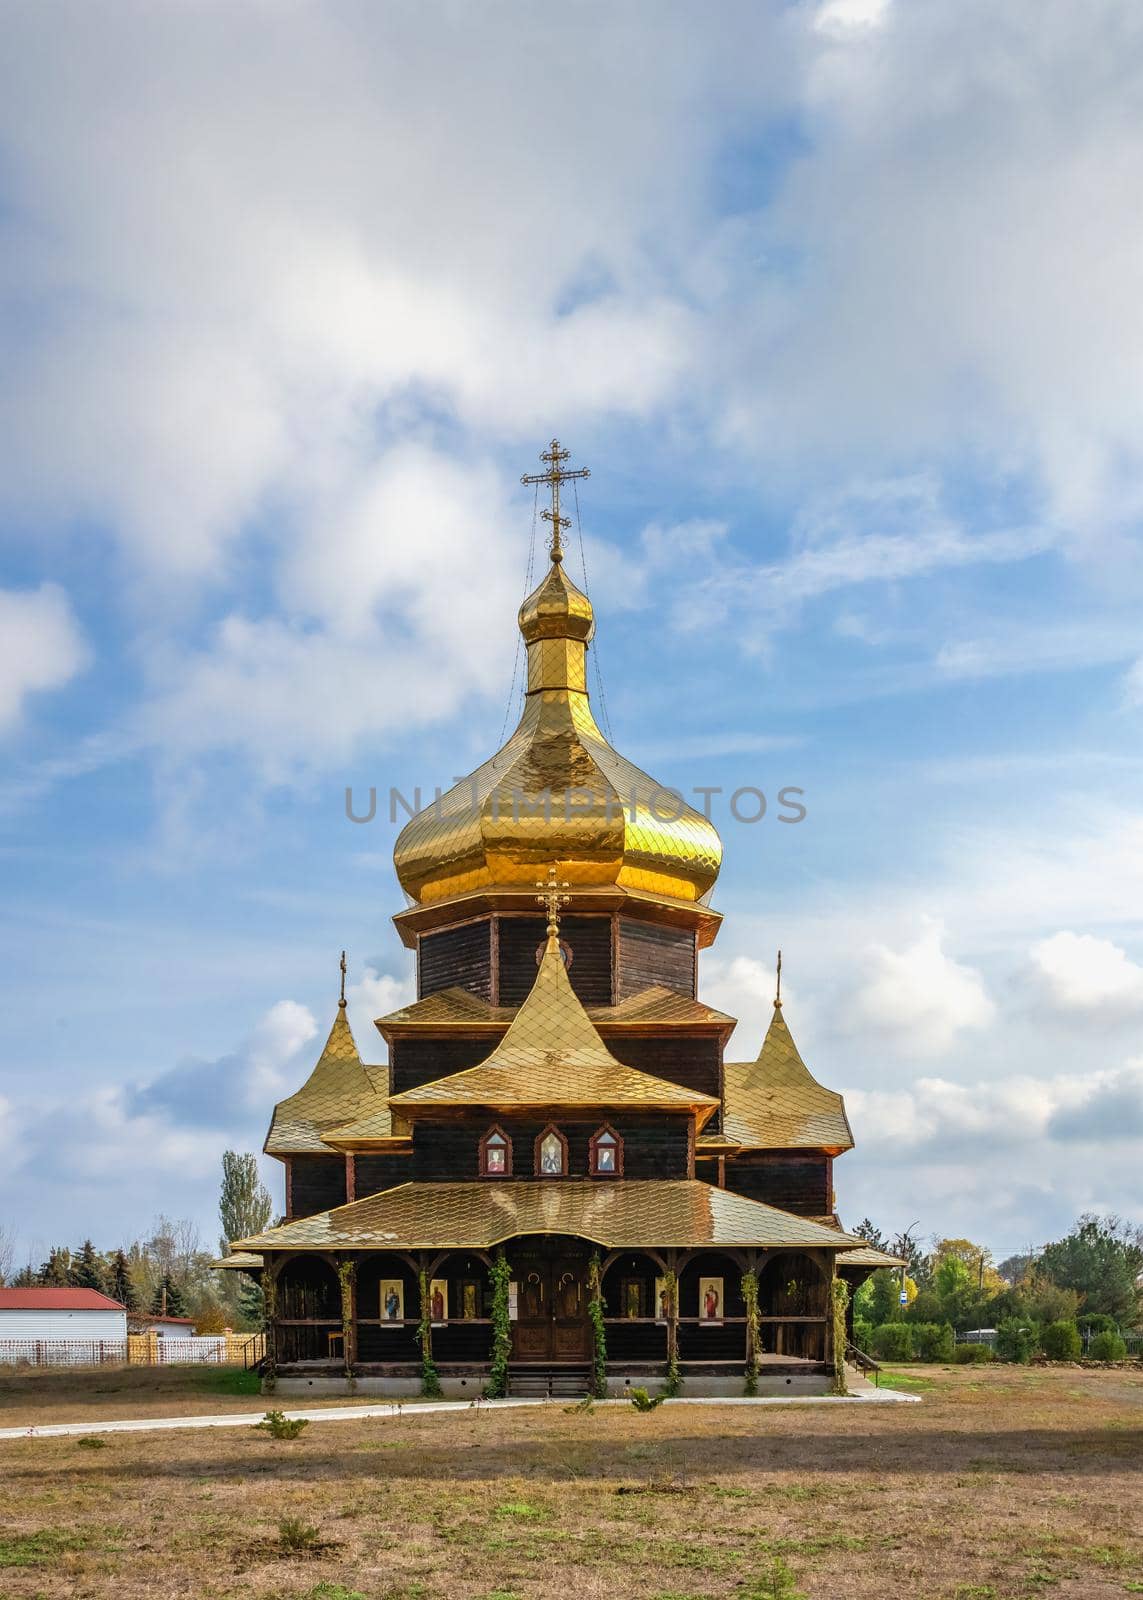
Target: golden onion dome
[(557, 792)]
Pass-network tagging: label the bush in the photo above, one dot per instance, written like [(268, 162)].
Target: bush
[(972, 1354), (1017, 1340), (1096, 1322), (893, 1341), (1061, 1340), (642, 1401), (1106, 1346), (279, 1426), (862, 1333), (933, 1341)]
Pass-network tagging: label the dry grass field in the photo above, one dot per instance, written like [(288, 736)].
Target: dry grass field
[(1005, 1483)]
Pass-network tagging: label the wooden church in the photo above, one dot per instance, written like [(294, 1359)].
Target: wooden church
[(557, 1185)]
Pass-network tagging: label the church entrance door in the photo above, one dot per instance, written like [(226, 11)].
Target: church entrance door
[(551, 1308)]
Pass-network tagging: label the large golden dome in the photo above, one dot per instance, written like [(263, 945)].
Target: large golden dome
[(557, 792)]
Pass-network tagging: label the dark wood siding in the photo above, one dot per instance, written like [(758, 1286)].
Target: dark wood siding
[(417, 1061), (456, 958), (650, 954), (381, 1172), (653, 1147), (693, 1061), (317, 1183), (589, 939), (792, 1183)]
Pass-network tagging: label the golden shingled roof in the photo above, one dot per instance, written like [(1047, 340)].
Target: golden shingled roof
[(239, 1260), (617, 1214), (655, 1006), (774, 1103), (552, 1055), (867, 1256), (337, 1091)]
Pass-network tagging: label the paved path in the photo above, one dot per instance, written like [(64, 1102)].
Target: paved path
[(384, 1409)]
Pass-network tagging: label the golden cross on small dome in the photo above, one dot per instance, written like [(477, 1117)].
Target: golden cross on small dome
[(556, 474), (552, 899), (341, 1001)]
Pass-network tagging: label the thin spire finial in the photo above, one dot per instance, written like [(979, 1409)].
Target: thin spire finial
[(778, 991), (341, 1000), (555, 474), (552, 899)]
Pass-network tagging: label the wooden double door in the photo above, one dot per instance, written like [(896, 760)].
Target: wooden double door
[(551, 1307)]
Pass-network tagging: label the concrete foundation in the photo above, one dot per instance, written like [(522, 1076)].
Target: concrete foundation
[(323, 1386)]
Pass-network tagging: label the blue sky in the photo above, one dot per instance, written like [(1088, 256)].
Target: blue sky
[(838, 300)]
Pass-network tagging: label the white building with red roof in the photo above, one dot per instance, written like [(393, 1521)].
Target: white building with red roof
[(46, 1314)]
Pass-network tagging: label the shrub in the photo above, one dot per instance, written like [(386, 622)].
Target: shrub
[(933, 1341), (972, 1354), (279, 1426), (1061, 1340), (642, 1401), (1017, 1340), (862, 1333), (893, 1341), (1106, 1346), (297, 1536), (1096, 1322)]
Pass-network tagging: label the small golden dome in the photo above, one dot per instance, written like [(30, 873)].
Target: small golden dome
[(557, 610)]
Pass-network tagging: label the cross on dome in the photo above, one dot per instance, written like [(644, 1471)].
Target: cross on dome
[(555, 474), (552, 899)]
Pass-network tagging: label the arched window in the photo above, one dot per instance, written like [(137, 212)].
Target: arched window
[(495, 1154), (551, 1153), (605, 1153)]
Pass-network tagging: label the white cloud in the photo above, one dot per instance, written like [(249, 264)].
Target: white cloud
[(920, 996), (1133, 684), (375, 994), (841, 19), (43, 647), (1080, 973)]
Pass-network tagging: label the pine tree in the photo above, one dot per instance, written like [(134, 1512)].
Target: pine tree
[(168, 1299), (88, 1269), (122, 1287), (244, 1205), (56, 1270)]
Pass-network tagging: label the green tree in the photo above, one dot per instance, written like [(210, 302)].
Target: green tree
[(1100, 1259), (56, 1270), (168, 1299), (866, 1230), (121, 1285), (250, 1303), (244, 1206), (88, 1269)]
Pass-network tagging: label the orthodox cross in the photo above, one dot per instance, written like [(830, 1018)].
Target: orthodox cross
[(341, 1001), (552, 899), (555, 474), (778, 995)]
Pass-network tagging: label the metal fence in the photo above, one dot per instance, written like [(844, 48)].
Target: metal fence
[(215, 1350), (63, 1352)]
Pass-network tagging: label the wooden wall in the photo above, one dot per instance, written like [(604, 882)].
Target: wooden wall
[(589, 939), (650, 954), (456, 958), (317, 1183), (801, 1183), (693, 1060), (378, 1172), (654, 1146)]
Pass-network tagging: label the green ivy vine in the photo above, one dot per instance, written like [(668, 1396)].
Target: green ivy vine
[(497, 1386), (753, 1329), (840, 1306), (270, 1297), (347, 1278), (674, 1378), (430, 1377), (598, 1329)]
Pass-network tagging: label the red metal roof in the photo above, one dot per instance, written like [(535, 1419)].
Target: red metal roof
[(57, 1300)]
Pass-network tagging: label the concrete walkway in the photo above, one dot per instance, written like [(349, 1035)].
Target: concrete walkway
[(383, 1410)]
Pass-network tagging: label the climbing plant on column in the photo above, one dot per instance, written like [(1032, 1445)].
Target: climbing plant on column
[(497, 1386), (753, 1328), (840, 1306), (674, 1378), (430, 1377), (598, 1330)]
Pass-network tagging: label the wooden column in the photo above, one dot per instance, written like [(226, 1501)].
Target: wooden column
[(288, 1164), (350, 1177)]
